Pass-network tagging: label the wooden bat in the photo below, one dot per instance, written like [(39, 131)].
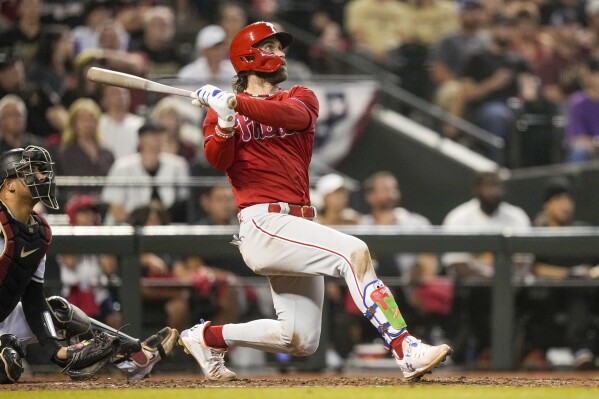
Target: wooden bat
[(120, 79)]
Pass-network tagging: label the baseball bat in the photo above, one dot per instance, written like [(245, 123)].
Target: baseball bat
[(127, 81)]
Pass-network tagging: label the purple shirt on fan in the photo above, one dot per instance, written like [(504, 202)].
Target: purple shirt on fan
[(583, 116)]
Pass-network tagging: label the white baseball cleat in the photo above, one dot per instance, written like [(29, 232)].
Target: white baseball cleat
[(419, 358), (211, 360)]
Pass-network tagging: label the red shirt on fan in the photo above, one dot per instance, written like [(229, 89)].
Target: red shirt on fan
[(267, 160)]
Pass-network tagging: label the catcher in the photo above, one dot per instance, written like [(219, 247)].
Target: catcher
[(27, 177)]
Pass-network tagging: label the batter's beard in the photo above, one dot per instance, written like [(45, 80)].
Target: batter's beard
[(274, 78)]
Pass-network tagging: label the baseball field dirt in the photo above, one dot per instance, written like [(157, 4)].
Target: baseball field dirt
[(440, 379)]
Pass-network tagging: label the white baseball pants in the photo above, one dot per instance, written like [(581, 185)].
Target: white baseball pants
[(16, 324), (295, 254)]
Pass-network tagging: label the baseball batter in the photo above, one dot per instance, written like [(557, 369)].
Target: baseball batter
[(27, 177), (265, 146)]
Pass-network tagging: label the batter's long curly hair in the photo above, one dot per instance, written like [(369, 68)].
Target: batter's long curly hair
[(240, 83)]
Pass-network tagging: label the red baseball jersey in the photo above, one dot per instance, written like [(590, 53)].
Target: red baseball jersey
[(267, 160)]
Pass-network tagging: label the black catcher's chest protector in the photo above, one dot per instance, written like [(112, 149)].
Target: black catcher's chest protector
[(24, 248)]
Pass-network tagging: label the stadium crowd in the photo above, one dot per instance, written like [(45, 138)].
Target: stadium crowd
[(490, 62)]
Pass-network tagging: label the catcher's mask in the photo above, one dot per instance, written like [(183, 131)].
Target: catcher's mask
[(245, 57), (28, 165)]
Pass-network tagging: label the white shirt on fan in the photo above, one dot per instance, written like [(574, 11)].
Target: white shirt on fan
[(172, 168), (469, 216), (120, 137)]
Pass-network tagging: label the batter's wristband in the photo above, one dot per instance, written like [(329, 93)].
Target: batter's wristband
[(222, 134)]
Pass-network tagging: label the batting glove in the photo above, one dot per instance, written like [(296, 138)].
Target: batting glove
[(218, 100)]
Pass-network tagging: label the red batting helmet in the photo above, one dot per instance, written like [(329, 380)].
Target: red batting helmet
[(245, 57)]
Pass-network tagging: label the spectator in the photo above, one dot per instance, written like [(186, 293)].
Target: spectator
[(8, 14), (211, 64), (376, 26), (96, 14), (554, 12), (232, 17), (13, 81), (486, 211), (83, 87), (64, 12), (157, 42), (592, 13), (561, 72), (12, 73), (219, 205), (167, 114), (118, 127), (449, 56), (410, 62), (85, 278), (81, 153), (217, 291), (200, 168), (430, 20), (161, 266), (582, 129), (383, 197), (323, 55), (51, 76), (53, 63), (131, 16), (112, 36), (418, 270), (148, 164), (112, 53), (333, 191), (24, 37), (264, 10), (13, 125), (490, 78), (529, 41), (573, 306)]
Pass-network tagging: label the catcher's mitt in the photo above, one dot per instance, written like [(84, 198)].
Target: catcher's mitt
[(86, 358)]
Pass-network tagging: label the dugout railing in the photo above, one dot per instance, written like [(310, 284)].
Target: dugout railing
[(128, 242)]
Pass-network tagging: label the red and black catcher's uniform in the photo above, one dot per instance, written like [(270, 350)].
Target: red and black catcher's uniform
[(25, 245)]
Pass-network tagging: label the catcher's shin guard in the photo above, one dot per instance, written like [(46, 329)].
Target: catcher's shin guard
[(69, 320), (73, 322), (382, 311)]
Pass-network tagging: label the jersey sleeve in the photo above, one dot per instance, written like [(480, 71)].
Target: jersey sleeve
[(298, 112), (219, 151)]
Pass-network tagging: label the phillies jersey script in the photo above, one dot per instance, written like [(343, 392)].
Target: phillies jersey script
[(267, 160)]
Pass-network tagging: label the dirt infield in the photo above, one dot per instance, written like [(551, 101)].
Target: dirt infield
[(58, 382)]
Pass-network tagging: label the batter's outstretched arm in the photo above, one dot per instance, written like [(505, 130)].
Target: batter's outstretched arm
[(219, 151), (297, 113)]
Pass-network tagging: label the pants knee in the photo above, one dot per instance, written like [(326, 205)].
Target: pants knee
[(302, 343), (495, 117), (305, 346), (360, 258)]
